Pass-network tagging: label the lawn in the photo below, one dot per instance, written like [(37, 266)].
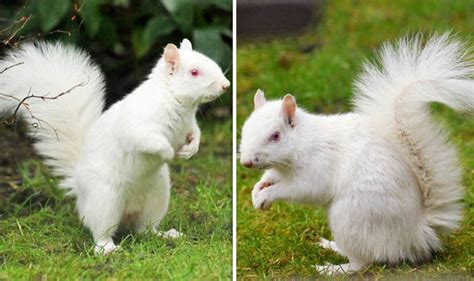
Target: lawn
[(318, 67), (41, 236)]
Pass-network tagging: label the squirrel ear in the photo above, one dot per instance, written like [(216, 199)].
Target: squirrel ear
[(289, 109), (259, 99), (171, 56), (186, 45)]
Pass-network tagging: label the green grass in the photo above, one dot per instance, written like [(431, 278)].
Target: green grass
[(281, 242), (41, 236)]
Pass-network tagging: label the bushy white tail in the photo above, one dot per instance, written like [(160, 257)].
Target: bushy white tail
[(74, 89), (396, 93)]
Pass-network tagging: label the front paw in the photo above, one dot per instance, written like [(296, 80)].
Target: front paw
[(167, 154), (188, 150), (262, 195)]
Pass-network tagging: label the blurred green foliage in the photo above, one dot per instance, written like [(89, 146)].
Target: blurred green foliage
[(122, 34)]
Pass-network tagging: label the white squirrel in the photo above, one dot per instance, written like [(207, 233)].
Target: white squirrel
[(390, 181), (114, 162)]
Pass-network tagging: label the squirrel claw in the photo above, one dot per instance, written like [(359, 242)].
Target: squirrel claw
[(265, 185), (261, 196), (187, 151)]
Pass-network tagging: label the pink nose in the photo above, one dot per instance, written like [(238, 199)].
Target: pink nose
[(226, 85), (248, 164)]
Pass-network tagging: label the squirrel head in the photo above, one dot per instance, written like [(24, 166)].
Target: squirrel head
[(192, 77), (269, 132)]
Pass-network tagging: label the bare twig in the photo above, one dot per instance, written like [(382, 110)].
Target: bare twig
[(45, 97), (35, 124), (39, 35), (67, 32), (8, 97), (23, 103), (12, 24), (9, 34), (24, 20), (11, 66), (4, 97), (6, 20)]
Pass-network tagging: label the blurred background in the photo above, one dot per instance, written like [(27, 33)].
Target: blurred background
[(314, 50)]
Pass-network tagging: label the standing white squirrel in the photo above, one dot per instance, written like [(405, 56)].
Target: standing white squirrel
[(389, 179), (114, 162)]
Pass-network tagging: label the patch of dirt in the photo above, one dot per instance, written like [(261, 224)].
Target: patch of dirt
[(15, 148)]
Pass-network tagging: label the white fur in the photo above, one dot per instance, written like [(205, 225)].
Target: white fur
[(386, 173), (114, 162)]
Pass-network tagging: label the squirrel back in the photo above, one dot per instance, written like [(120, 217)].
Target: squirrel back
[(63, 94)]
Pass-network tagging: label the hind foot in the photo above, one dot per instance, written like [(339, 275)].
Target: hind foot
[(330, 245), (170, 234), (336, 269), (105, 246)]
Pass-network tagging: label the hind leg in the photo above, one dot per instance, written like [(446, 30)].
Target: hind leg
[(330, 245), (156, 204), (346, 268), (353, 266), (100, 208)]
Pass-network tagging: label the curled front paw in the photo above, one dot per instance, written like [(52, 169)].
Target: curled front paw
[(261, 195), (167, 154), (189, 149)]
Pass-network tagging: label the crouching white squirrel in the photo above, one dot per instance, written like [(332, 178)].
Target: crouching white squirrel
[(114, 162), (386, 174)]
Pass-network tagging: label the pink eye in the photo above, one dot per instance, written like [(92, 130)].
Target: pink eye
[(194, 72), (275, 137)]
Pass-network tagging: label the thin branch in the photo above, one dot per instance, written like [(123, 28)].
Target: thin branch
[(11, 66), (7, 97), (23, 103), (39, 120), (27, 107), (45, 97), (24, 21), (6, 19), (13, 23), (67, 32)]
